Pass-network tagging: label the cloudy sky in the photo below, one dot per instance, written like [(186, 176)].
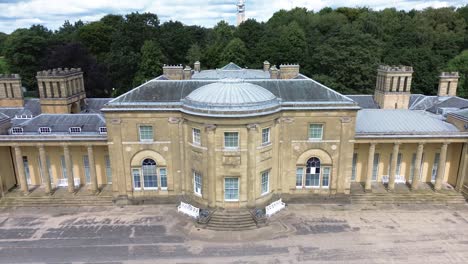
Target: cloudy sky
[(52, 13)]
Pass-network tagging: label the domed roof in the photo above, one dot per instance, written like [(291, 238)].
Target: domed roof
[(230, 96)]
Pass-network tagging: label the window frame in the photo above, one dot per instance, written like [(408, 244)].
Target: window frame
[(301, 171), (19, 131), (310, 129), (196, 139), (195, 175), (238, 139), (103, 130), (139, 179), (45, 130), (161, 175), (267, 174), (155, 175), (140, 134), (74, 130), (238, 189), (264, 143)]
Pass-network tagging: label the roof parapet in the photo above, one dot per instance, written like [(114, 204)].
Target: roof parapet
[(393, 68), (13, 76), (449, 75), (59, 72)]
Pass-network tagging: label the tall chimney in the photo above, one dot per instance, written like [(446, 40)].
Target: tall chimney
[(196, 66), (448, 83), (266, 66), (11, 93)]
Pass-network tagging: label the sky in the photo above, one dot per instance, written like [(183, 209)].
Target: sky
[(52, 13)]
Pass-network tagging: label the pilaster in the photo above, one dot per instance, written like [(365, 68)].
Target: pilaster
[(393, 165), (370, 166), (441, 168), (20, 170), (44, 169), (251, 163), (211, 144), (92, 170), (417, 167)]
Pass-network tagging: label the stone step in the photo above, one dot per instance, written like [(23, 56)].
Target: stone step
[(232, 228), (231, 220)]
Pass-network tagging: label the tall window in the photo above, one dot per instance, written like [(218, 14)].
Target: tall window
[(50, 170), (26, 169), (146, 133), (435, 167), (64, 167), (86, 168), (163, 176), (265, 136), (150, 178), (231, 189), (315, 131), (231, 139), (136, 179), (108, 169), (196, 138), (197, 183), (398, 167), (375, 167), (326, 177), (413, 163), (354, 169), (265, 182), (315, 175)]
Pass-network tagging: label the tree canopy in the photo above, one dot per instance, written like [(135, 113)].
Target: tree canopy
[(339, 47)]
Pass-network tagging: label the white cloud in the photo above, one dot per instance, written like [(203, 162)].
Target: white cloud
[(52, 13)]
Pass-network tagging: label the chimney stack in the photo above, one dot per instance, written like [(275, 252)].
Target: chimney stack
[(289, 71), (448, 83), (196, 66), (273, 72), (266, 66), (11, 93), (393, 87), (173, 72), (187, 73)]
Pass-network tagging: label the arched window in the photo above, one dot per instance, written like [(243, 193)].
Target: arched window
[(146, 177), (150, 178), (313, 175)]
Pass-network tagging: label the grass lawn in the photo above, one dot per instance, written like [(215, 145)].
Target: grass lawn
[(3, 65)]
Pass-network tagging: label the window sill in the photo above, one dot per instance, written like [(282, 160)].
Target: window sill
[(151, 189), (231, 149), (315, 139), (198, 194), (137, 189), (233, 200), (163, 188), (265, 193), (312, 187)]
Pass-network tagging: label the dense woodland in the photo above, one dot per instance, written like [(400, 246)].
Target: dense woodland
[(339, 47)]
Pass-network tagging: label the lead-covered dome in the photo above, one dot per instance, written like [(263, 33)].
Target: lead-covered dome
[(231, 97)]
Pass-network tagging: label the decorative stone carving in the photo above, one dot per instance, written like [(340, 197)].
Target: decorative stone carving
[(175, 120), (210, 128), (346, 119), (252, 127), (287, 119), (232, 160), (265, 155)]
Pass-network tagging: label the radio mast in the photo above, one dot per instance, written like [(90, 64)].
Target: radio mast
[(240, 12)]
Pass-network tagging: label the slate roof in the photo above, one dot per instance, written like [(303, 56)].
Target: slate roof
[(365, 101), (231, 71), (60, 123), (381, 122), (94, 105), (294, 94), (461, 114), (4, 118)]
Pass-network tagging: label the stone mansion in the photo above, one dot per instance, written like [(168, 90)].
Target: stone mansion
[(231, 137)]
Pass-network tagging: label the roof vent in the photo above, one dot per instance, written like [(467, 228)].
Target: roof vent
[(103, 130)]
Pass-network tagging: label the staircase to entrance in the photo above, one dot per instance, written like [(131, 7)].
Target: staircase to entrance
[(231, 220)]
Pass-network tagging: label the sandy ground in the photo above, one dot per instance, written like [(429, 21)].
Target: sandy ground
[(300, 233)]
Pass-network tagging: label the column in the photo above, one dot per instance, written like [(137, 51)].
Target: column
[(441, 167), (93, 185), (68, 166), (211, 144), (391, 181), (370, 167), (251, 164), (44, 170), (463, 168), (417, 167), (20, 170)]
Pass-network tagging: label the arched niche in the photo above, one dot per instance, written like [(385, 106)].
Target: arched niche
[(148, 154), (324, 157)]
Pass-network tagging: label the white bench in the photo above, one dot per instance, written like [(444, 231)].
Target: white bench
[(189, 210), (398, 179), (274, 207), (64, 182)]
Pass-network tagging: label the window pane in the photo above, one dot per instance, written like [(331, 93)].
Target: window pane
[(353, 174), (86, 168), (163, 175), (375, 168), (265, 182), (435, 166), (26, 169), (108, 169), (231, 188), (64, 168), (150, 179), (315, 131), (231, 139), (146, 133), (299, 174), (196, 136), (265, 135), (136, 178), (197, 183)]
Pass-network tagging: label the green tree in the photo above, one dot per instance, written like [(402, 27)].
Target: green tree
[(97, 37), (235, 52), (3, 38), (194, 54), (460, 64), (251, 33), (151, 63), (175, 41), (24, 49)]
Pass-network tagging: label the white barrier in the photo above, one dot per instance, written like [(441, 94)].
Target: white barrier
[(64, 182), (188, 209), (398, 179), (274, 207)]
